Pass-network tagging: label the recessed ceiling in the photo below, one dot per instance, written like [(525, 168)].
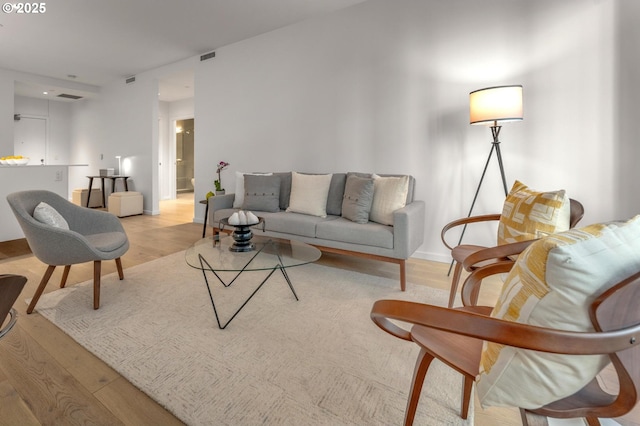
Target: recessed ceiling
[(96, 42)]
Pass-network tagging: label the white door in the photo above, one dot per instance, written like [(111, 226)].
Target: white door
[(30, 139)]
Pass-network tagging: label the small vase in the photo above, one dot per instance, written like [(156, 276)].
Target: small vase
[(221, 192)]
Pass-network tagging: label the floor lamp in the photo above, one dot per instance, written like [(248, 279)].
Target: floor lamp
[(493, 106)]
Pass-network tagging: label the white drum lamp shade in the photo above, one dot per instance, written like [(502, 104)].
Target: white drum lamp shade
[(495, 104)]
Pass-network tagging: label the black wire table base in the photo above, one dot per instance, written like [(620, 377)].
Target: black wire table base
[(208, 267)]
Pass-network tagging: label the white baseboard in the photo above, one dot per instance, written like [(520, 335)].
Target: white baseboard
[(434, 257)]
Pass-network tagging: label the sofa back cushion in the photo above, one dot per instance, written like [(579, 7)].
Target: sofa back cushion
[(336, 192), (285, 189), (553, 284)]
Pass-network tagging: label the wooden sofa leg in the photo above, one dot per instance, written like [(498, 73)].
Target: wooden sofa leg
[(97, 266), (403, 275), (43, 284), (65, 275)]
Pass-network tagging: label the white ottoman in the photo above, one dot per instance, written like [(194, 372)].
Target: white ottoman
[(79, 197), (126, 203)]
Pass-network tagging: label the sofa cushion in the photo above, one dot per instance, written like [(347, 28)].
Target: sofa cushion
[(309, 194), (336, 192), (226, 213), (369, 234), (528, 214), (553, 284), (285, 189), (239, 194), (389, 195), (357, 199), (295, 223), (107, 241), (261, 193), (46, 214)]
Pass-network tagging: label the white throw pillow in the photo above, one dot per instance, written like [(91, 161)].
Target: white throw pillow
[(389, 195), (46, 214), (553, 284), (309, 194), (238, 201)]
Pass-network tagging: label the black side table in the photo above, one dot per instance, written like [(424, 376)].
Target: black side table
[(206, 217), (113, 185)]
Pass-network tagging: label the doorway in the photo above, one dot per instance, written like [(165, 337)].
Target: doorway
[(30, 138), (185, 162)]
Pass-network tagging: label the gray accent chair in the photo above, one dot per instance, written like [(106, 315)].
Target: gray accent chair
[(93, 236), (10, 288)]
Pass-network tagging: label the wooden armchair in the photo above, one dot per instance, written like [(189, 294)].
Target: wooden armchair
[(471, 257), (10, 288), (455, 336)]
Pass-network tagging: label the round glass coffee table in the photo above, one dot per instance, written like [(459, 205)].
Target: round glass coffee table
[(269, 254)]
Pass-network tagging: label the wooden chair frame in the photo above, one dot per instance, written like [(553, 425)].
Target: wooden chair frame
[(10, 288), (471, 257), (614, 315)]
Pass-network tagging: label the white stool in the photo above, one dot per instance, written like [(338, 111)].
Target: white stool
[(126, 203), (79, 197)]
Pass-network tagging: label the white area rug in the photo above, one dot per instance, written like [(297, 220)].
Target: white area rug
[(318, 361)]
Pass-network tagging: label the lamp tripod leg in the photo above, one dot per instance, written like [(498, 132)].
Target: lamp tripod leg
[(504, 180), (475, 197)]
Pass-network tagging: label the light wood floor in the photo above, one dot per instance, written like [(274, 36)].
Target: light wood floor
[(46, 378)]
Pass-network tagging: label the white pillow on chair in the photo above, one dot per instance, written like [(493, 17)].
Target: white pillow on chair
[(46, 214), (553, 284)]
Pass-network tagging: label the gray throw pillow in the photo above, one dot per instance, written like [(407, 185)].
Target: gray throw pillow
[(261, 193), (357, 200)]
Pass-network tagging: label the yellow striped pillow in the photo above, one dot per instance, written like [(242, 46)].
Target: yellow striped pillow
[(528, 214), (553, 284)]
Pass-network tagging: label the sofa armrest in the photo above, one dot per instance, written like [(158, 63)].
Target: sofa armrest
[(220, 202), (408, 229)]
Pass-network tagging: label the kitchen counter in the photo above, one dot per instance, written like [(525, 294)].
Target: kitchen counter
[(14, 178)]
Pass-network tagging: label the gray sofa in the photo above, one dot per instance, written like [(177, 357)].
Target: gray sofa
[(334, 233)]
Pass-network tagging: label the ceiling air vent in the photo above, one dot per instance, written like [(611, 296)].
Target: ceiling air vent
[(207, 56), (130, 80), (67, 96)]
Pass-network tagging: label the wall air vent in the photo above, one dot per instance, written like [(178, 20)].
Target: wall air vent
[(130, 80), (67, 96), (207, 56)]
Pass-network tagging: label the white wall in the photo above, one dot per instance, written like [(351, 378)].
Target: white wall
[(6, 113), (120, 122), (125, 120), (58, 115), (383, 87), (626, 134)]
